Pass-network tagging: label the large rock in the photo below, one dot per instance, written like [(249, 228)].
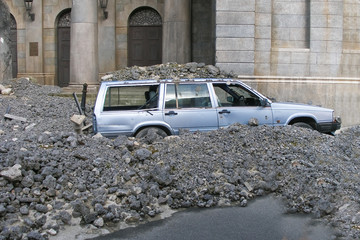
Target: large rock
[(12, 174)]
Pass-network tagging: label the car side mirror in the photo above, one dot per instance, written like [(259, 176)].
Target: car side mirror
[(264, 102)]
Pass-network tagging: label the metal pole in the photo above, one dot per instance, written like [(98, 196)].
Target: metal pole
[(83, 97), (77, 104)]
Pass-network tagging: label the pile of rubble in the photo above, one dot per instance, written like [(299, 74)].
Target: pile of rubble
[(52, 178), (167, 71)]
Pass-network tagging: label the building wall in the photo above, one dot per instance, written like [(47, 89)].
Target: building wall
[(316, 42), (289, 38), (112, 35), (298, 51)]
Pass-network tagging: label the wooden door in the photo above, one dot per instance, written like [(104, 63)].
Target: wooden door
[(13, 46), (145, 45), (63, 56)]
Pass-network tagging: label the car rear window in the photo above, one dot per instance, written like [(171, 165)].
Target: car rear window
[(131, 97)]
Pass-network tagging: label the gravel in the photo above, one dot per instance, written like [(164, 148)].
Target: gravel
[(52, 178)]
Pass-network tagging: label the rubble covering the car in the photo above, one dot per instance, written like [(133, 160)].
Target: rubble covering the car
[(51, 177), (168, 70)]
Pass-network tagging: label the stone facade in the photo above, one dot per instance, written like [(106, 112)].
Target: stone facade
[(289, 38), (273, 44)]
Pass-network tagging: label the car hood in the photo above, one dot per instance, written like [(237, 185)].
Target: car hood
[(297, 106)]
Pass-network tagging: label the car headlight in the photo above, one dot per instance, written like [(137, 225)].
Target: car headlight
[(337, 119)]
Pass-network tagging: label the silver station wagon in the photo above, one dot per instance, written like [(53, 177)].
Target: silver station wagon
[(134, 107)]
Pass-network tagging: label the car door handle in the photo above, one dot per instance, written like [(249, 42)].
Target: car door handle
[(171, 113), (224, 111)]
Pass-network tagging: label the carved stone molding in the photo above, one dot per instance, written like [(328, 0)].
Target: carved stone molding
[(145, 17)]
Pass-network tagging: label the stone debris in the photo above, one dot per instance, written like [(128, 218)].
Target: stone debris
[(5, 90), (12, 174), (67, 178), (168, 71)]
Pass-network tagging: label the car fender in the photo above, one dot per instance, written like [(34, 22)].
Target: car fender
[(300, 115), (153, 124)]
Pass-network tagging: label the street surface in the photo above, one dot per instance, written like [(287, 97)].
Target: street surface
[(262, 219)]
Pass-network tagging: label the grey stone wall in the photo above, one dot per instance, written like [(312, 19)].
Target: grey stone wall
[(235, 36), (5, 54), (289, 38)]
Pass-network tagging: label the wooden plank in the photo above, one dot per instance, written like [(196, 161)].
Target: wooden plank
[(13, 117)]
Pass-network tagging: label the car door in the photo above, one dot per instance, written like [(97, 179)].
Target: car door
[(237, 104), (188, 106)]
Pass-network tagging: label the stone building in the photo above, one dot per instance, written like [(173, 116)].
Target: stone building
[(298, 50)]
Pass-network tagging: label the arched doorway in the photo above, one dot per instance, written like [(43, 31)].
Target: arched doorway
[(145, 37), (13, 45), (63, 49)]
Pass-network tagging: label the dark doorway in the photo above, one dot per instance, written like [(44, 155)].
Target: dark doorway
[(145, 38), (203, 31), (63, 49), (13, 46)]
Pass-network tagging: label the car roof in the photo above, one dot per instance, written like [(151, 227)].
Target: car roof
[(173, 80)]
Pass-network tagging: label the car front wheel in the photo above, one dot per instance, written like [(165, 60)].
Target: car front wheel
[(302, 125)]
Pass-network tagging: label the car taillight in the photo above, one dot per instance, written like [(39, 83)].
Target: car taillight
[(94, 124)]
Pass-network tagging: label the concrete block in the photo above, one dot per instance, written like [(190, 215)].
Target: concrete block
[(320, 70), (334, 46), (326, 7), (281, 57), (235, 5), (233, 18), (263, 19), (280, 33), (290, 21), (318, 46), (328, 58), (280, 69), (262, 57), (300, 70), (326, 34), (300, 58), (289, 7), (263, 44), (263, 6), (262, 32), (262, 69), (298, 34), (235, 56), (237, 68), (235, 31), (235, 44)]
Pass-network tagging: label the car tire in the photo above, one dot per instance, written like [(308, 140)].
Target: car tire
[(302, 125), (151, 130)]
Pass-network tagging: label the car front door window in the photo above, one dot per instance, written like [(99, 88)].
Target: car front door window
[(237, 104), (188, 106)]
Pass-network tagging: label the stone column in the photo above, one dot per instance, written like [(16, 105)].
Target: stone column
[(177, 31), (5, 55), (84, 67)]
